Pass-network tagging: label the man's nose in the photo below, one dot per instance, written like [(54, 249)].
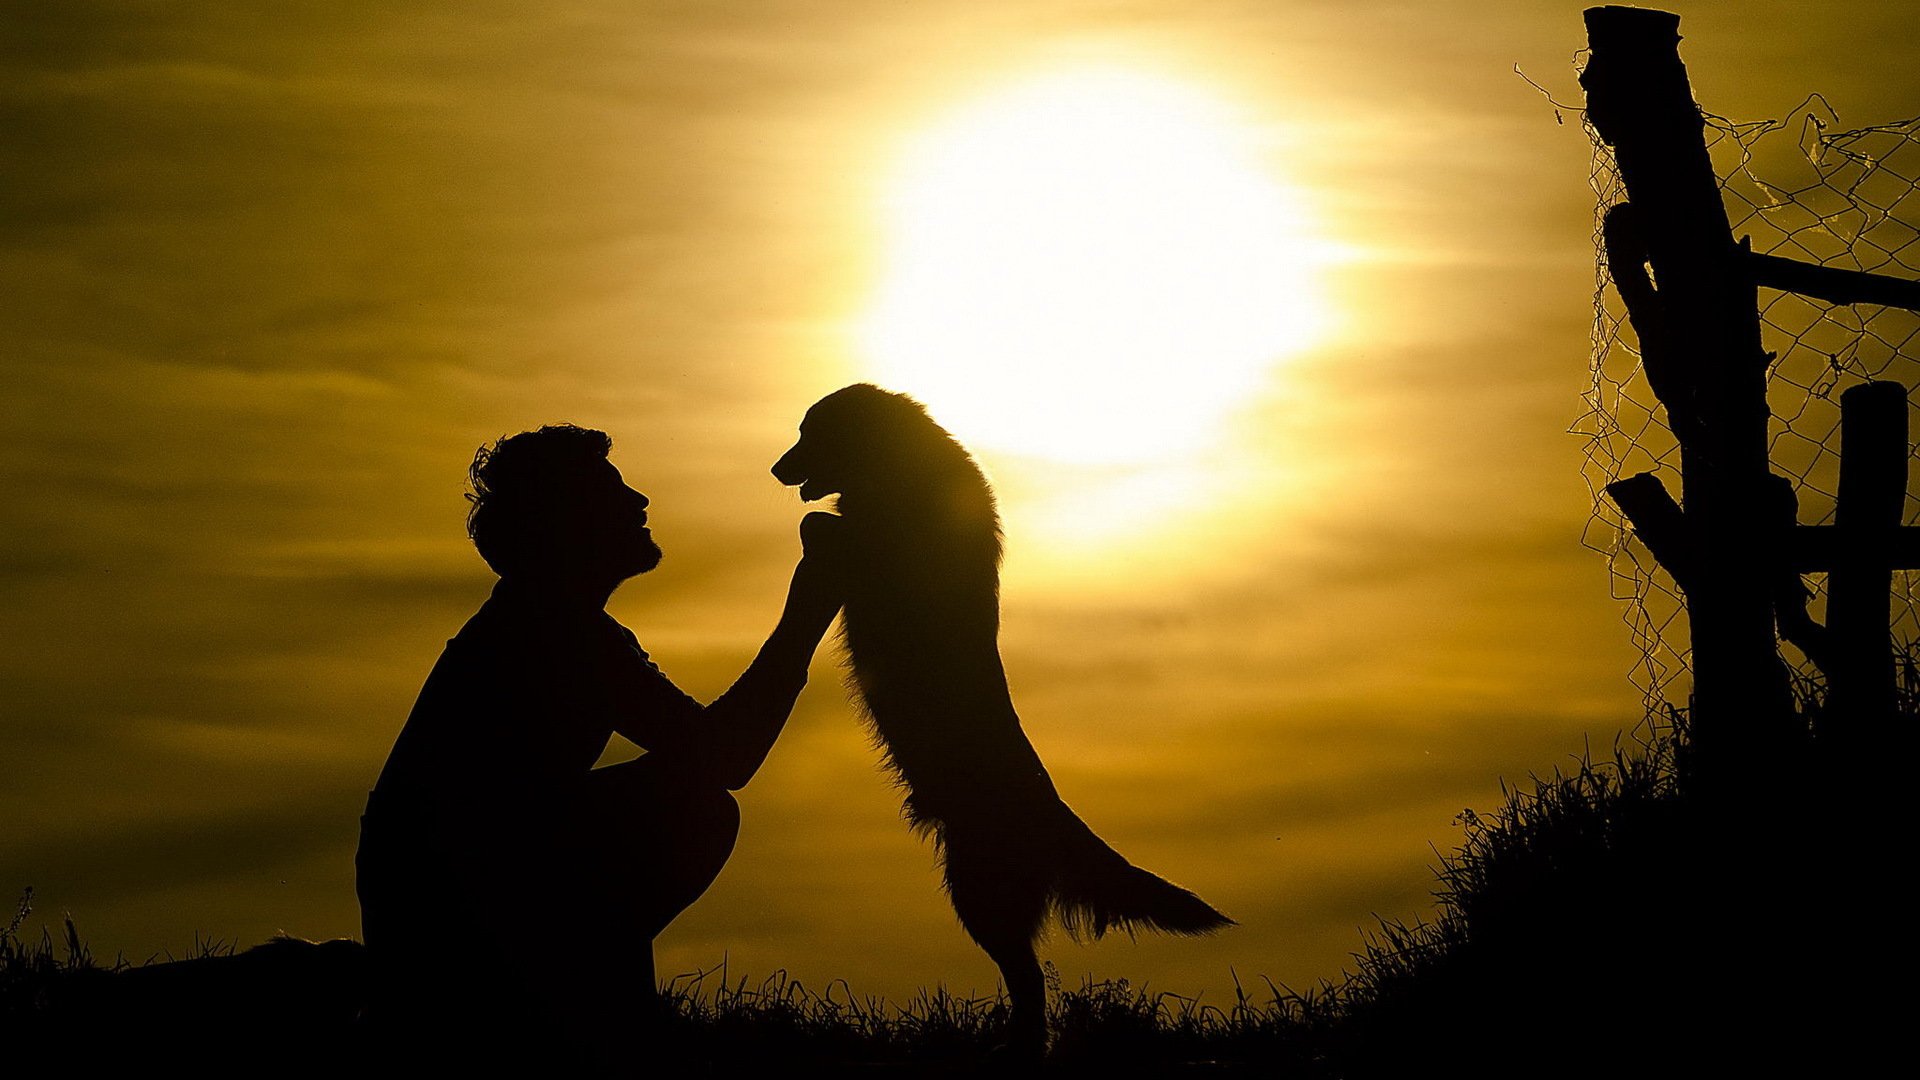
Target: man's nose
[(641, 500)]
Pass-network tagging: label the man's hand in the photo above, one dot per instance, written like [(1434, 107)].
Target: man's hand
[(820, 535), (819, 582)]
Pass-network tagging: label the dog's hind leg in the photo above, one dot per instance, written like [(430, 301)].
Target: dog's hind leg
[(1002, 902), (1026, 987)]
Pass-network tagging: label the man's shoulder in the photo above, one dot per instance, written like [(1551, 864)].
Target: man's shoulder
[(505, 626), (619, 629), (491, 623), (500, 631), (627, 639)]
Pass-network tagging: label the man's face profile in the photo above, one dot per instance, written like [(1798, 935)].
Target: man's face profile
[(609, 522)]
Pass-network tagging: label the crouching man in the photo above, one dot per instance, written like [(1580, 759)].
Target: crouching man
[(510, 892)]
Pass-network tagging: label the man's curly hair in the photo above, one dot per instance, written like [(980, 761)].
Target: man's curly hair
[(517, 481)]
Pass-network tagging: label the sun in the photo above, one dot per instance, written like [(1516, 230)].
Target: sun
[(1091, 266)]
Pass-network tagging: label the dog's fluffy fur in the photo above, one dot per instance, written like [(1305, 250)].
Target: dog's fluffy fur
[(922, 540)]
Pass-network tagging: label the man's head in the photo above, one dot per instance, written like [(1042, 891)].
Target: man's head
[(548, 503)]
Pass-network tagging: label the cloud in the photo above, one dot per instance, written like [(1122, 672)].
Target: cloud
[(73, 867)]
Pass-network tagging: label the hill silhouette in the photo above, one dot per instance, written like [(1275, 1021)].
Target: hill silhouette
[(1620, 915)]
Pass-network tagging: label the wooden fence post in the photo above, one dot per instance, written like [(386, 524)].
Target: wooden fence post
[(1872, 500), (1696, 313)]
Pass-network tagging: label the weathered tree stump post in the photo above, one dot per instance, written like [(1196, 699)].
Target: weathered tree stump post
[(1699, 328), (1872, 499), (1736, 549)]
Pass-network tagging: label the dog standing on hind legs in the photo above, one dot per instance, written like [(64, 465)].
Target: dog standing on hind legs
[(922, 538)]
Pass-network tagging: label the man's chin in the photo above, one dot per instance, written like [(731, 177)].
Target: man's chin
[(647, 558)]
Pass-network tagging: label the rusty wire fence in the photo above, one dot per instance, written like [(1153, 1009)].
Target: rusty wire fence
[(1835, 197)]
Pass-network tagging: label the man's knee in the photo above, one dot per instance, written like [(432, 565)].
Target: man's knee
[(677, 857), (665, 823), (720, 812), (707, 822), (656, 785)]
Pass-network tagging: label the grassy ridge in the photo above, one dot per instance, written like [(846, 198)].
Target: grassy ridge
[(1617, 917)]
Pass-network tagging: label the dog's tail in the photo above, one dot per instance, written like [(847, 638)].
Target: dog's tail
[(1099, 890)]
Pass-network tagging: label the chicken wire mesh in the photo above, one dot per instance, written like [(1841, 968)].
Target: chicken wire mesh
[(1841, 198)]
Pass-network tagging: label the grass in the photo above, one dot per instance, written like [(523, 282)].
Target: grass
[(1098, 1023), (1615, 917), (33, 974), (1629, 915)]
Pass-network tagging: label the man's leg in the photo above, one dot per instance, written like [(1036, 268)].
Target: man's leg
[(437, 986), (653, 842), (664, 837)]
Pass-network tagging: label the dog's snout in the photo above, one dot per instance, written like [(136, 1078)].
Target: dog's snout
[(784, 470)]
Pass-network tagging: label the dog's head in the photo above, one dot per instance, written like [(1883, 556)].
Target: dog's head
[(861, 439)]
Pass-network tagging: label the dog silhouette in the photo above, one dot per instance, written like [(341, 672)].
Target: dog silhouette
[(923, 544)]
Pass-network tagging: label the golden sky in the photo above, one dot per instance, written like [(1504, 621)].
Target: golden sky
[(270, 272)]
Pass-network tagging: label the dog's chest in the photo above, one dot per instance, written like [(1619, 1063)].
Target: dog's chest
[(905, 603)]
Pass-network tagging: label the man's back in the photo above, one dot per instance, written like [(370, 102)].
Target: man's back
[(523, 702)]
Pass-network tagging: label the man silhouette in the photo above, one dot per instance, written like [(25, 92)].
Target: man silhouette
[(510, 891)]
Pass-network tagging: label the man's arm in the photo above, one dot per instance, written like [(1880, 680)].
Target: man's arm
[(732, 737)]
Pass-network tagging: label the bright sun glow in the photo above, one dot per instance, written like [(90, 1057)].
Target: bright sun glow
[(1092, 267)]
